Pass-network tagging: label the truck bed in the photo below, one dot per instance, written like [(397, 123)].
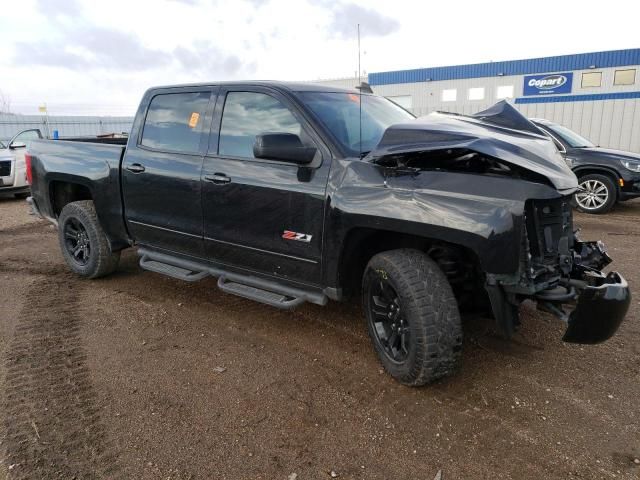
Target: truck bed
[(84, 157), (101, 140), (93, 165)]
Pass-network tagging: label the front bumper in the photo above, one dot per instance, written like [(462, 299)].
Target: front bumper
[(624, 195), (592, 304), (631, 187), (600, 309), (11, 189)]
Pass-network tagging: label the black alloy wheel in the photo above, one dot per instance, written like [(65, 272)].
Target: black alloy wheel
[(84, 245), (412, 316), (77, 241), (390, 325)]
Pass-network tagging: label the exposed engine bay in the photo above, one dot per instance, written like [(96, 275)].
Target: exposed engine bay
[(457, 160)]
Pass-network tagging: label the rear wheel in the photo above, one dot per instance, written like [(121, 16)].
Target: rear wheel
[(598, 194), (412, 316), (83, 243)]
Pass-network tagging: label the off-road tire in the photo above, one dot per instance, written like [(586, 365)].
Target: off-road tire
[(101, 260), (430, 308), (611, 188)]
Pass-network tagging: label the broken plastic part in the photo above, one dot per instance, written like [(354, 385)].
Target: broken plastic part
[(600, 310)]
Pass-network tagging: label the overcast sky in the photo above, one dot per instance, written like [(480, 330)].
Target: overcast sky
[(98, 56)]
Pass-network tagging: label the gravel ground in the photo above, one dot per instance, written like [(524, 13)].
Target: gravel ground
[(141, 376)]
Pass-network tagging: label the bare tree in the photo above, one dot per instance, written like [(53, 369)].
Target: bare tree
[(5, 103)]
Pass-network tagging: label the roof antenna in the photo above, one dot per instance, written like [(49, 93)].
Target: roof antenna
[(362, 87), (360, 103)]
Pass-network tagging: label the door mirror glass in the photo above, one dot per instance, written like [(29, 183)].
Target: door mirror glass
[(286, 147)]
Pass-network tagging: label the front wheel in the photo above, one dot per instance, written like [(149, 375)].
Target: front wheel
[(598, 194), (412, 316), (83, 243)]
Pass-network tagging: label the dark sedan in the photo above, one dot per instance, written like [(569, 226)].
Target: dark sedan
[(606, 176)]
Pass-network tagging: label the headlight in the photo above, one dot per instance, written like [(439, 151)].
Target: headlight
[(633, 165)]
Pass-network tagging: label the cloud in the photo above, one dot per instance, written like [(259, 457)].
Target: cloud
[(185, 2), (345, 17), (255, 3), (206, 60), (81, 45), (65, 7), (90, 48), (113, 50)]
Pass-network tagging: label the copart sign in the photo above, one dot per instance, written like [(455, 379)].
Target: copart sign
[(549, 84)]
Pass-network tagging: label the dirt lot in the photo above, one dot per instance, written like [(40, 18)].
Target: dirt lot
[(122, 378)]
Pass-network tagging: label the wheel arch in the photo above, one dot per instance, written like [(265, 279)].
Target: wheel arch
[(63, 192), (362, 243)]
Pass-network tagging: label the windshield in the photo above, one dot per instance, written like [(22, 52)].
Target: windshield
[(572, 138), (340, 113)]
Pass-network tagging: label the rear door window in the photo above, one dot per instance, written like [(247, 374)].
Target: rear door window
[(247, 114), (175, 122)]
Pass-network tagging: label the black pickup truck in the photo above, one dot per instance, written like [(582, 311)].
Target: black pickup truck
[(292, 193)]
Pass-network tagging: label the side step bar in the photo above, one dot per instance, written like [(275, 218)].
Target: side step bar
[(247, 286), (264, 296), (171, 270)]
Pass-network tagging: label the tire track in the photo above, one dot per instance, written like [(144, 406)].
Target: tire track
[(31, 267), (52, 425), (25, 228)]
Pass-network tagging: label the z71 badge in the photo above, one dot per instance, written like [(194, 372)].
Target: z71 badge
[(300, 237)]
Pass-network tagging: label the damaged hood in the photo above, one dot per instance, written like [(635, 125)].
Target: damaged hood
[(500, 132)]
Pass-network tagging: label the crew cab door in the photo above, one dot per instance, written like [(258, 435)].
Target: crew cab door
[(263, 215), (161, 170)]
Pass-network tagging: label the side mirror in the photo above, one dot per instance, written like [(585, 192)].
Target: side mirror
[(285, 147), (15, 145)]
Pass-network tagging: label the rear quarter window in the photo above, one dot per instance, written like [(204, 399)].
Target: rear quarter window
[(175, 122)]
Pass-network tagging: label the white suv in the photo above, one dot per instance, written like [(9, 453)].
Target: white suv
[(13, 170)]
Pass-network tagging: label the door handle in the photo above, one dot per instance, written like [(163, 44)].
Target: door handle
[(219, 178), (135, 168)]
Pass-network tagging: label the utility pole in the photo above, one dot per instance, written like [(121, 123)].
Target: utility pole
[(43, 109), (360, 90), (359, 76)]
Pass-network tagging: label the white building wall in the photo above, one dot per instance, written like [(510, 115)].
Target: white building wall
[(608, 123), (349, 82)]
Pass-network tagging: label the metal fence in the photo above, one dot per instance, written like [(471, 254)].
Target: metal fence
[(67, 126)]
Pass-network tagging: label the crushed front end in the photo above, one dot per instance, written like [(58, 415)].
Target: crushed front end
[(562, 274)]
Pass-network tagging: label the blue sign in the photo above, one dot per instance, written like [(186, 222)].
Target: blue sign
[(551, 84)]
